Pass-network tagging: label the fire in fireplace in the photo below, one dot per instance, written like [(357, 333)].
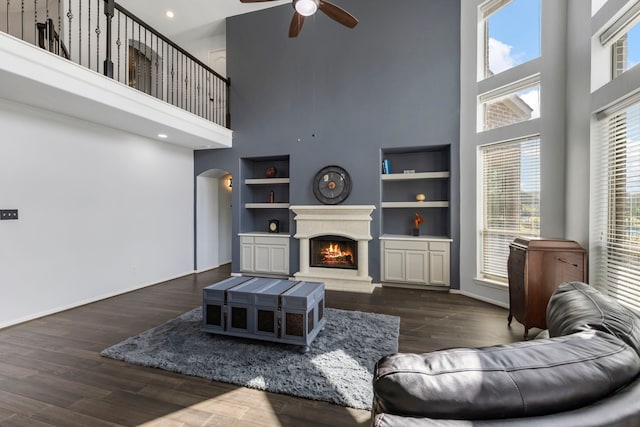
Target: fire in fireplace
[(333, 252)]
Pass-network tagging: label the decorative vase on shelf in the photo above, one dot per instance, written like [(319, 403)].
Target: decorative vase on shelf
[(271, 172), (272, 197), (421, 197)]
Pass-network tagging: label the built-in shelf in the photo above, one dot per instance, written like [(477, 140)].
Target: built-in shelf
[(438, 204), (419, 172), (266, 205), (265, 193), (266, 181), (415, 238), (416, 175)]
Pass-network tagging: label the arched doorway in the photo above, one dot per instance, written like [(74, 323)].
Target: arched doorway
[(213, 219)]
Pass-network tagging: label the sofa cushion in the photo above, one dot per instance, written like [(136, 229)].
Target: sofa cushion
[(515, 380), (576, 306)]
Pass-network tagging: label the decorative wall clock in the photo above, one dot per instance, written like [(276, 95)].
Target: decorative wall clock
[(332, 185)]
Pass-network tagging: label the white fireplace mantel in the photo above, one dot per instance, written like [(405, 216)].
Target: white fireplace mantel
[(352, 221)]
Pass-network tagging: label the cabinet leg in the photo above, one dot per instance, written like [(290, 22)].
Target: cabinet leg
[(509, 319)]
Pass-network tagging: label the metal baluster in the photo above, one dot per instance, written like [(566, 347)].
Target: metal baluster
[(97, 30), (118, 43), (70, 18), (35, 18), (60, 34), (89, 37), (147, 71), (21, 20)]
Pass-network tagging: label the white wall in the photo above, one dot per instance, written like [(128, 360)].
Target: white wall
[(101, 212)]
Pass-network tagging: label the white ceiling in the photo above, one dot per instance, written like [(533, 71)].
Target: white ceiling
[(194, 19)]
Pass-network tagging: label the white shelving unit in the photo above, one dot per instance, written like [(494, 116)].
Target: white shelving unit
[(266, 181), (436, 204), (266, 205), (412, 176)]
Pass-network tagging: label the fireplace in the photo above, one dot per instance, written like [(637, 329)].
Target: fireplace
[(333, 252), (347, 226)]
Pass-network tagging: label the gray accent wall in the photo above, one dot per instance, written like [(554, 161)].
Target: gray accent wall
[(338, 96)]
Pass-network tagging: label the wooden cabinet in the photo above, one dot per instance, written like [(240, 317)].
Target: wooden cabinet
[(536, 267), (415, 260), (264, 253)]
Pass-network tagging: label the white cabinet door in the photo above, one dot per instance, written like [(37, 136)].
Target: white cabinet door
[(439, 264), (246, 257), (263, 258), (279, 259), (417, 267), (394, 267)]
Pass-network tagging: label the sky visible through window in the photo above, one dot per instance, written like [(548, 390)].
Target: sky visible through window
[(633, 46), (514, 35), (514, 38)]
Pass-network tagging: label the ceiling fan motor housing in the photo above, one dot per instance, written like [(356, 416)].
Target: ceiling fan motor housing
[(306, 7)]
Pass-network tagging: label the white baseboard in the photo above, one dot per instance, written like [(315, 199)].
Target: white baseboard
[(479, 298)]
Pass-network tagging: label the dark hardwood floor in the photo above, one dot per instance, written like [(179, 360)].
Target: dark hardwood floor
[(51, 372)]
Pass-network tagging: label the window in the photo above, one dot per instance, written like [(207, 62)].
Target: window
[(505, 106), (511, 34), (625, 35), (625, 52), (616, 210), (510, 200)]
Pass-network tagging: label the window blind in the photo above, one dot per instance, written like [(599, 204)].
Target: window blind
[(510, 200), (615, 248)]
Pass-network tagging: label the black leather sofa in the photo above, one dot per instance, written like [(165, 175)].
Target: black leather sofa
[(586, 373)]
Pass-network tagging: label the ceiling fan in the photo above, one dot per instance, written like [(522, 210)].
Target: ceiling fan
[(305, 8)]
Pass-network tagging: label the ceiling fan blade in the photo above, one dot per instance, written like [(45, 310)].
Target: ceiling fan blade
[(253, 1), (337, 14), (296, 24)]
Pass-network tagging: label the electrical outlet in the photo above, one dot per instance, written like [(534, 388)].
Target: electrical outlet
[(8, 214)]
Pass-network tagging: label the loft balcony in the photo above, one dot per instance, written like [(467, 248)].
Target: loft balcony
[(94, 60)]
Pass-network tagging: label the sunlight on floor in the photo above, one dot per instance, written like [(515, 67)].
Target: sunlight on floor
[(265, 410)]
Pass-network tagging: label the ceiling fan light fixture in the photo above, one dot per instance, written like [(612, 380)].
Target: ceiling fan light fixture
[(306, 7)]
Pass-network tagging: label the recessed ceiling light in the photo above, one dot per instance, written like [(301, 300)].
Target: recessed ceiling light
[(170, 14), (162, 135)]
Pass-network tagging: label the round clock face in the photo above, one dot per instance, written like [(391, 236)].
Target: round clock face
[(273, 226), (332, 185)]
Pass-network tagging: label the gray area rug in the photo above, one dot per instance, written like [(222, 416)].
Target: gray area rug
[(338, 369)]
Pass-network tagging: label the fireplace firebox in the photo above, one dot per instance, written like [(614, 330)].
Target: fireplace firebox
[(333, 252)]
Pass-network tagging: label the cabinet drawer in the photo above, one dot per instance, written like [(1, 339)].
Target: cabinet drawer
[(246, 240), (405, 244), (268, 240), (438, 246)]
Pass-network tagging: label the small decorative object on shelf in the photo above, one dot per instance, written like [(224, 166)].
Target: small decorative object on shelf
[(416, 224), (272, 197), (271, 172), (409, 171), (421, 197), (386, 166), (274, 226)]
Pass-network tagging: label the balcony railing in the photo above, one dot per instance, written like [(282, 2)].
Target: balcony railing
[(103, 36)]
